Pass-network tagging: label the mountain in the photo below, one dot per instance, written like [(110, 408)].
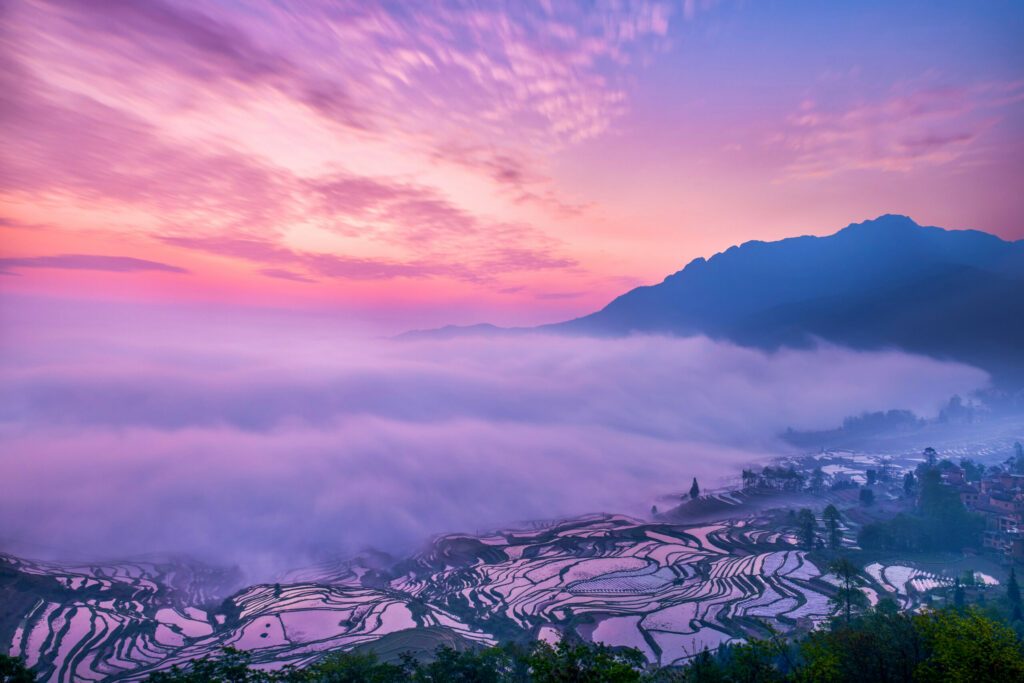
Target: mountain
[(883, 283), (887, 282), (451, 331)]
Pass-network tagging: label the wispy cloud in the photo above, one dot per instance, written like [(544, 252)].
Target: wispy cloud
[(166, 36), (282, 274), (328, 265), (480, 265), (559, 295), (100, 262), (107, 141), (920, 127)]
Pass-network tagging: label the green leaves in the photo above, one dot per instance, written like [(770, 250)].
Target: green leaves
[(510, 663), (967, 646), (13, 670)]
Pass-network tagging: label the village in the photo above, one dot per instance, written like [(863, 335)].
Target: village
[(999, 497), (880, 492)]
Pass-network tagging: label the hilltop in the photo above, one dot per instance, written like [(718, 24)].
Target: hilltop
[(882, 283)]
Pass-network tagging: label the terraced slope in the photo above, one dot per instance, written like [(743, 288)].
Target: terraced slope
[(668, 590)]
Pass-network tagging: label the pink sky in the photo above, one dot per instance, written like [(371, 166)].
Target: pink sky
[(431, 164)]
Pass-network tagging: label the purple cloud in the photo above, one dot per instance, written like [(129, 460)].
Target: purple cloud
[(327, 265), (110, 264), (79, 146), (471, 267), (886, 134), (200, 47), (554, 296), (95, 151), (282, 274), (418, 214)]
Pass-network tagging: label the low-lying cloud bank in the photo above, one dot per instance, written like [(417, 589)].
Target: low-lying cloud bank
[(272, 448)]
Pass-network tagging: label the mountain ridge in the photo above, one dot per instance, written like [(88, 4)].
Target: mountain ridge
[(881, 283)]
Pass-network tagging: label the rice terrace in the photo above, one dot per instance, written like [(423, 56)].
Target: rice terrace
[(667, 588)]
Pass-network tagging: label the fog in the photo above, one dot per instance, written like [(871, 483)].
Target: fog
[(272, 445)]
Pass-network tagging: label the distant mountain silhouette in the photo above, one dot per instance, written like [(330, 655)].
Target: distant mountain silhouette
[(451, 331), (888, 282)]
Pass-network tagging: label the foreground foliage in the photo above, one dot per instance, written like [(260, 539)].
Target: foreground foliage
[(579, 662), (13, 670)]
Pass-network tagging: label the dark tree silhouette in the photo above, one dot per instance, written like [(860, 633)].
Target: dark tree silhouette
[(909, 483), (973, 470), (958, 594), (930, 456), (808, 524), (831, 517), (1015, 463), (817, 479), (1013, 589), (849, 596), (867, 496), (694, 490), (13, 670)]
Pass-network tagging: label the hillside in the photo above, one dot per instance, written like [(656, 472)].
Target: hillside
[(883, 283)]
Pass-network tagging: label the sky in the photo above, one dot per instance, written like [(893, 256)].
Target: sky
[(402, 165)]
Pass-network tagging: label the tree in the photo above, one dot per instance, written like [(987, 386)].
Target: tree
[(359, 667), (973, 470), (909, 483), (762, 661), (947, 523), (490, 665), (1013, 589), (849, 596), (807, 524), (967, 646), (13, 670), (654, 510), (817, 479), (930, 456), (959, 599), (565, 663), (694, 490), (703, 668), (880, 645), (885, 471), (887, 645), (1015, 463), (872, 477), (831, 517), (231, 667), (867, 496)]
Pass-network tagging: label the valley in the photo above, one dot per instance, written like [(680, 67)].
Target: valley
[(666, 586)]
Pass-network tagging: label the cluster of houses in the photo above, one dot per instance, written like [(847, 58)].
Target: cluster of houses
[(999, 498)]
